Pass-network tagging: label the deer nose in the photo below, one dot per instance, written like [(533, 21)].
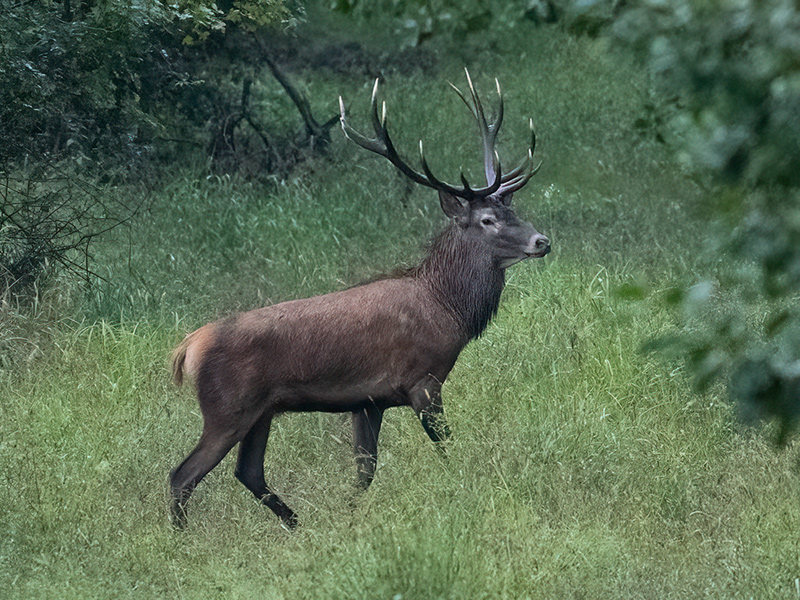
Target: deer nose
[(539, 245)]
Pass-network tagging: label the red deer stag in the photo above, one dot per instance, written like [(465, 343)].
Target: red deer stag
[(391, 342)]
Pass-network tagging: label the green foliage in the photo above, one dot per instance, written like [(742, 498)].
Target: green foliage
[(108, 80), (203, 17), (583, 17), (418, 20), (744, 323), (733, 68), (73, 86)]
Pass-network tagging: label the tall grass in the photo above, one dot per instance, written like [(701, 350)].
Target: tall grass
[(579, 467)]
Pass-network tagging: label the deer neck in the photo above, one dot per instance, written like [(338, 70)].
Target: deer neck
[(460, 273)]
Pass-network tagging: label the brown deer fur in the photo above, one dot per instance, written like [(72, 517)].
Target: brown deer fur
[(387, 343)]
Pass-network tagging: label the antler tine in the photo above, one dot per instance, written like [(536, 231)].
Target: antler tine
[(492, 129), (464, 180), (351, 134), (377, 144), (526, 162), (495, 127), (475, 99), (434, 182), (381, 143), (488, 131), (463, 99), (484, 130), (520, 180), (478, 114), (378, 124)]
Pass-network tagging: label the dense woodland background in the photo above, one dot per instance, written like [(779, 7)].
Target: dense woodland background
[(624, 427)]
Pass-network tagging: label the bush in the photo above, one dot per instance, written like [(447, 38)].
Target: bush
[(732, 72), (74, 87), (90, 90), (102, 83), (49, 218)]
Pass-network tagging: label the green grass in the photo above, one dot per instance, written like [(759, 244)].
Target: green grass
[(578, 468)]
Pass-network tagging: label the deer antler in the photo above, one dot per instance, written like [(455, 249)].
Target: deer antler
[(496, 183), (488, 132)]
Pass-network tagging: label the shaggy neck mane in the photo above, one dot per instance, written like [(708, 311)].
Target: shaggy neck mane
[(460, 273)]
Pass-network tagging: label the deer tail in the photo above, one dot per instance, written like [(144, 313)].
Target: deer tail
[(178, 359), (187, 356)]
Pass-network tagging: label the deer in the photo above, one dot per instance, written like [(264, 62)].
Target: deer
[(386, 343)]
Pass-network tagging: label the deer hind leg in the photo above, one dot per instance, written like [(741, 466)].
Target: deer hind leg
[(250, 470), (210, 450), (223, 428), (366, 427)]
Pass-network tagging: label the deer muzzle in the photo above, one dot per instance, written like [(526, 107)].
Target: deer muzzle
[(538, 246)]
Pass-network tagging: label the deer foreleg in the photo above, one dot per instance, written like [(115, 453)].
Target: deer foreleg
[(366, 427), (426, 400)]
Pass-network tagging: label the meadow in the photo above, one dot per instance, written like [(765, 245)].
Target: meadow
[(580, 466)]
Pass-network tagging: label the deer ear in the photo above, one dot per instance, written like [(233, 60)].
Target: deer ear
[(454, 207), (505, 199)]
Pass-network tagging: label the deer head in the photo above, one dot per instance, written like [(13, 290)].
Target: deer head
[(483, 213)]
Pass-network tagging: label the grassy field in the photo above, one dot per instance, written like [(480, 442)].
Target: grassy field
[(579, 466)]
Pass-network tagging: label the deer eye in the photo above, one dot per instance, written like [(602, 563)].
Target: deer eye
[(487, 221)]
